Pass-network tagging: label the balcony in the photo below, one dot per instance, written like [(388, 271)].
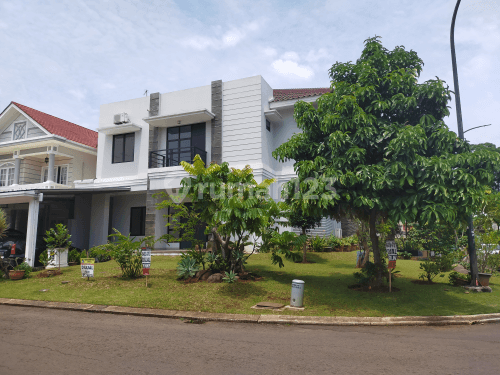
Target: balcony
[(173, 157)]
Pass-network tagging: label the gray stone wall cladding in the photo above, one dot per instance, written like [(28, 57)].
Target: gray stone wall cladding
[(151, 212), (154, 104), (217, 122)]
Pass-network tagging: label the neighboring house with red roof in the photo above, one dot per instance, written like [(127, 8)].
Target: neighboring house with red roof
[(41, 156)]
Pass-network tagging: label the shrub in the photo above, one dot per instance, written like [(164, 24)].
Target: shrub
[(368, 274), (445, 262), (406, 255), (318, 244), (431, 270), (187, 267), (456, 278), (333, 241), (74, 256), (99, 253)]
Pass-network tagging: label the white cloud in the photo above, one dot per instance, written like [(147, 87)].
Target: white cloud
[(268, 51), (292, 68), (316, 55), (291, 55)]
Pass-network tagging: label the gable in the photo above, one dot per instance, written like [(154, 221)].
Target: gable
[(25, 125)]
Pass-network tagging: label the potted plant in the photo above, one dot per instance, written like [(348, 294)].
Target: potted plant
[(20, 271), (58, 242)]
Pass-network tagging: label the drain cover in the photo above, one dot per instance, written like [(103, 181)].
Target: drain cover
[(269, 305)]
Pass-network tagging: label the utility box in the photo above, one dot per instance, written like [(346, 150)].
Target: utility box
[(297, 299)]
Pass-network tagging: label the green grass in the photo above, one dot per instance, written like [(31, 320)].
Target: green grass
[(326, 291)]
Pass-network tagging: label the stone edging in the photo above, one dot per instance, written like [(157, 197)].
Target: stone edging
[(270, 319)]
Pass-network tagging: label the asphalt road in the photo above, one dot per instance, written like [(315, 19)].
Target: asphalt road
[(44, 341)]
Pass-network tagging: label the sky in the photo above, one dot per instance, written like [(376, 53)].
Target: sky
[(67, 58)]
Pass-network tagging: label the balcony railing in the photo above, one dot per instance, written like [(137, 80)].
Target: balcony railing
[(173, 157)]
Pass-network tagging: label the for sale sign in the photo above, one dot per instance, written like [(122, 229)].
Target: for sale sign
[(146, 260), (87, 266), (392, 253)]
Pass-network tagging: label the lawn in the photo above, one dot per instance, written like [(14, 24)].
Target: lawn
[(326, 290)]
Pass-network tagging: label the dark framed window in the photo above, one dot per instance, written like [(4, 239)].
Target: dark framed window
[(123, 148), (137, 221), (268, 125), (183, 142)]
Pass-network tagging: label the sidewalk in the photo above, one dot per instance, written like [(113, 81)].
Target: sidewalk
[(270, 319)]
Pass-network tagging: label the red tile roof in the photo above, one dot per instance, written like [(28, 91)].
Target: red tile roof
[(290, 94), (57, 126)]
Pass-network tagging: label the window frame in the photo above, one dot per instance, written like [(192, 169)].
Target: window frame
[(58, 173), (7, 175), (142, 218), (124, 135)]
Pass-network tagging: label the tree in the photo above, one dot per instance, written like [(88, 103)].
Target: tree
[(297, 219), (380, 140), (233, 205), (491, 147)]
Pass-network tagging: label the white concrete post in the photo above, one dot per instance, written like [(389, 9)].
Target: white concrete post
[(52, 161), (17, 169), (31, 233)]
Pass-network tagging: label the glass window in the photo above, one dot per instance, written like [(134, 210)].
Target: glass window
[(123, 148), (137, 221), (6, 176), (19, 130)]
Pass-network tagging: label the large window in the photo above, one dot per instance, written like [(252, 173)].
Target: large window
[(6, 176), (60, 174), (123, 148), (183, 142), (137, 221)]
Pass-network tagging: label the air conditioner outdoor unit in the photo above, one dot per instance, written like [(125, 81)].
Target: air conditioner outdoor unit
[(121, 118)]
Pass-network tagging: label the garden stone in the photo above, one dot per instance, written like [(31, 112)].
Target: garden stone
[(478, 289), (215, 278), (203, 274)]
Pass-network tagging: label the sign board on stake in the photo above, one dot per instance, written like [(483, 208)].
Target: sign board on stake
[(392, 253), (146, 260), (87, 266)]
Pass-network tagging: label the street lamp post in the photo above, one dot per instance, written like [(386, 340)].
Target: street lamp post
[(470, 231)]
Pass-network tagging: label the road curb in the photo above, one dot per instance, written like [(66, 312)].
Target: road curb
[(263, 318)]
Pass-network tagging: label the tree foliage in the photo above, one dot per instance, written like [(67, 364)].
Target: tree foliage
[(380, 140), (234, 206)]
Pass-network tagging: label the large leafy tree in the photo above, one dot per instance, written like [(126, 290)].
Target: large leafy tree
[(491, 147), (233, 205), (380, 140)]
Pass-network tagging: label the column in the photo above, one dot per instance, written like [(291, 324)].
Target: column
[(216, 131), (31, 233), (99, 219), (52, 161), (17, 169)]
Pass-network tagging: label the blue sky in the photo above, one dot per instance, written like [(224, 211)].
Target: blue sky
[(67, 58)]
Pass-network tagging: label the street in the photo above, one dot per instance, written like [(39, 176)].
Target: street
[(45, 341)]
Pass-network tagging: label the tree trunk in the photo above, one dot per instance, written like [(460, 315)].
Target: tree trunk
[(304, 260), (376, 251)]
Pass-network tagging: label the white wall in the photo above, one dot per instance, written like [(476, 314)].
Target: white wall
[(242, 121), (186, 100)]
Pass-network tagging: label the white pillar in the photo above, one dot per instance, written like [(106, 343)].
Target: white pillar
[(17, 169), (52, 161), (31, 233)]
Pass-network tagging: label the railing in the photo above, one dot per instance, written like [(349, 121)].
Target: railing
[(173, 157)]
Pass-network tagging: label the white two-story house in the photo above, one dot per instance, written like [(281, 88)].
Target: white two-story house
[(142, 141), (40, 158)]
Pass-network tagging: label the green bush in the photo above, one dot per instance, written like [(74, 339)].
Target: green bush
[(445, 262), (431, 270), (456, 278), (333, 241), (406, 255), (230, 277), (99, 253), (74, 256), (318, 244)]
